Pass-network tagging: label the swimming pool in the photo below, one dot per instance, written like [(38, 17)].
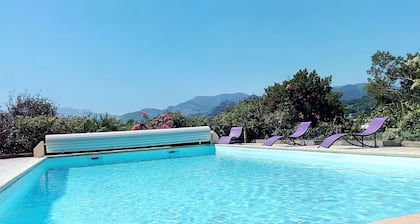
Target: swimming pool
[(215, 185)]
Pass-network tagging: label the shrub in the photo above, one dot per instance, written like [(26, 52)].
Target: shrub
[(160, 121), (28, 105), (5, 131), (27, 132)]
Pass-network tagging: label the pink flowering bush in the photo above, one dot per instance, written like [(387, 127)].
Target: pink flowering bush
[(161, 121), (137, 126)]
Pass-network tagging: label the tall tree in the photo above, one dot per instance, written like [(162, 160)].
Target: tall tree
[(395, 84), (306, 97), (394, 81)]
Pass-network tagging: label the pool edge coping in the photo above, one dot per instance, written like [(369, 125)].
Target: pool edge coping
[(21, 171), (409, 152)]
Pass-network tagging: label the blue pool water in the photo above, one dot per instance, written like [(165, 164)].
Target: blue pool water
[(233, 185)]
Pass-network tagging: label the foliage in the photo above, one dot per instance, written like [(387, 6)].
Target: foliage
[(67, 125), (393, 81), (175, 119), (31, 106), (323, 130), (160, 121), (196, 121), (29, 118), (392, 134), (394, 84), (410, 124), (107, 123), (167, 120), (306, 97), (28, 132), (363, 105), (5, 129), (246, 113)]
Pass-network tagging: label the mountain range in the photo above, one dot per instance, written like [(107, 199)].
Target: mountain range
[(208, 106), (69, 111), (204, 106), (351, 91)]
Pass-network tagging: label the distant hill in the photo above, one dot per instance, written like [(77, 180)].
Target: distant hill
[(198, 106), (201, 105), (72, 112), (219, 108), (208, 106), (351, 91), (137, 114)]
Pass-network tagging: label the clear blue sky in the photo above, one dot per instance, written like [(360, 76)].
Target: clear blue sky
[(122, 56)]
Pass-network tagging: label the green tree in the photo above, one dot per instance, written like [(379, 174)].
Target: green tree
[(109, 123), (177, 120), (246, 113), (196, 121), (394, 83), (363, 105), (306, 97)]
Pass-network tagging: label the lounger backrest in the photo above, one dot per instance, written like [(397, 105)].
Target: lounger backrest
[(374, 126), (235, 132), (301, 129)]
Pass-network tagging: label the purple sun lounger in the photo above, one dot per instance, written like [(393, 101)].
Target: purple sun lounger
[(235, 133), (374, 127), (300, 131)]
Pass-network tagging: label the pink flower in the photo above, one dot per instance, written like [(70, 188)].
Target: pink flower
[(165, 126), (143, 114), (289, 87), (136, 127), (169, 122)]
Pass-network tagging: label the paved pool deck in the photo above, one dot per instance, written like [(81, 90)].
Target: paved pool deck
[(413, 152), (11, 169)]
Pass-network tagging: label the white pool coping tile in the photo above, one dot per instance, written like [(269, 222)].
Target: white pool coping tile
[(13, 168)]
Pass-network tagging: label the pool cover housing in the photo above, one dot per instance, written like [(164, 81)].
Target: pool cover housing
[(99, 141)]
